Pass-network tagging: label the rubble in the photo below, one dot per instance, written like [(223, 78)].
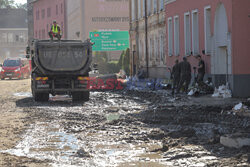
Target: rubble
[(222, 92), (242, 109), (237, 140)]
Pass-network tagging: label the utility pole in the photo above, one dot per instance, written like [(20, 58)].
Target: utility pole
[(146, 35)]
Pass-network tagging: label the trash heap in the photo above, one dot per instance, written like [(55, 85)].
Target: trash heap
[(222, 92), (202, 89), (133, 83), (242, 108)]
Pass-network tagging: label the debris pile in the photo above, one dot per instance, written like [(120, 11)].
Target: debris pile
[(201, 89), (242, 109), (222, 92)]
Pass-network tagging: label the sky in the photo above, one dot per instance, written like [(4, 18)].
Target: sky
[(20, 1)]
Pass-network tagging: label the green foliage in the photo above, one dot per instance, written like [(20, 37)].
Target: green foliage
[(21, 6), (126, 62), (7, 4), (12, 4), (106, 67)]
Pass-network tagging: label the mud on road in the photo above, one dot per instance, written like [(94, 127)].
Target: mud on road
[(120, 128)]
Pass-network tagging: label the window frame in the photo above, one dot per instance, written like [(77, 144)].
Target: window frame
[(187, 41), (176, 36), (207, 39), (170, 37), (195, 33)]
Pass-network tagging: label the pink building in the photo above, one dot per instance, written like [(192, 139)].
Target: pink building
[(44, 12), (218, 28)]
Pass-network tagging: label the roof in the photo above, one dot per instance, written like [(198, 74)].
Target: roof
[(13, 18)]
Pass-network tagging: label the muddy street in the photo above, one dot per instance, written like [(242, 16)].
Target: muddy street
[(116, 128)]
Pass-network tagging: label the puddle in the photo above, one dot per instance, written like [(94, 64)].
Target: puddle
[(42, 143), (23, 94)]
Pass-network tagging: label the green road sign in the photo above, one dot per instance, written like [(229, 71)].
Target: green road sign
[(110, 40)]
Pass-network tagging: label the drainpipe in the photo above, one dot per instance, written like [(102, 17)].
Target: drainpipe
[(227, 66), (146, 36)]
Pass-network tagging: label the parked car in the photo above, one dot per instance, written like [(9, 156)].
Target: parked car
[(15, 68)]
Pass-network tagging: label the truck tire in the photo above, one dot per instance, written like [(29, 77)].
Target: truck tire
[(80, 96), (77, 96), (41, 97), (86, 96)]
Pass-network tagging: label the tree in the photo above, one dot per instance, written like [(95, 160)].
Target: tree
[(21, 6), (12, 4), (7, 4)]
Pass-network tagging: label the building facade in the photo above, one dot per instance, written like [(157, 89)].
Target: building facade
[(44, 12), (218, 28), (154, 62), (84, 16), (13, 32)]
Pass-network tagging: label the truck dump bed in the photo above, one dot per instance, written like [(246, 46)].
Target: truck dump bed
[(63, 56)]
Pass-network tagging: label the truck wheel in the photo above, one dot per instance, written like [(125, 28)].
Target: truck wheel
[(86, 96), (41, 97), (77, 96)]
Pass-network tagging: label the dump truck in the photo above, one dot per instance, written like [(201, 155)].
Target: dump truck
[(60, 68)]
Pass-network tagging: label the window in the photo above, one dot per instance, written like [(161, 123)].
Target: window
[(155, 6), (150, 48), (61, 8), (48, 12), (161, 4), (153, 48), (170, 37), (162, 44), (3, 37), (144, 46), (149, 7), (21, 37), (143, 7), (47, 28), (43, 33), (61, 26), (139, 9), (141, 50), (156, 48), (17, 38), (187, 34), (176, 36), (36, 34), (195, 32), (56, 9), (207, 29), (133, 10), (37, 15), (10, 37), (43, 13), (39, 34)]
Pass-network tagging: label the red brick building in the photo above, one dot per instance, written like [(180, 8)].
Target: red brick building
[(221, 29), (44, 12)]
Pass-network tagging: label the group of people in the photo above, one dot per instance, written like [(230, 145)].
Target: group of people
[(181, 74)]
